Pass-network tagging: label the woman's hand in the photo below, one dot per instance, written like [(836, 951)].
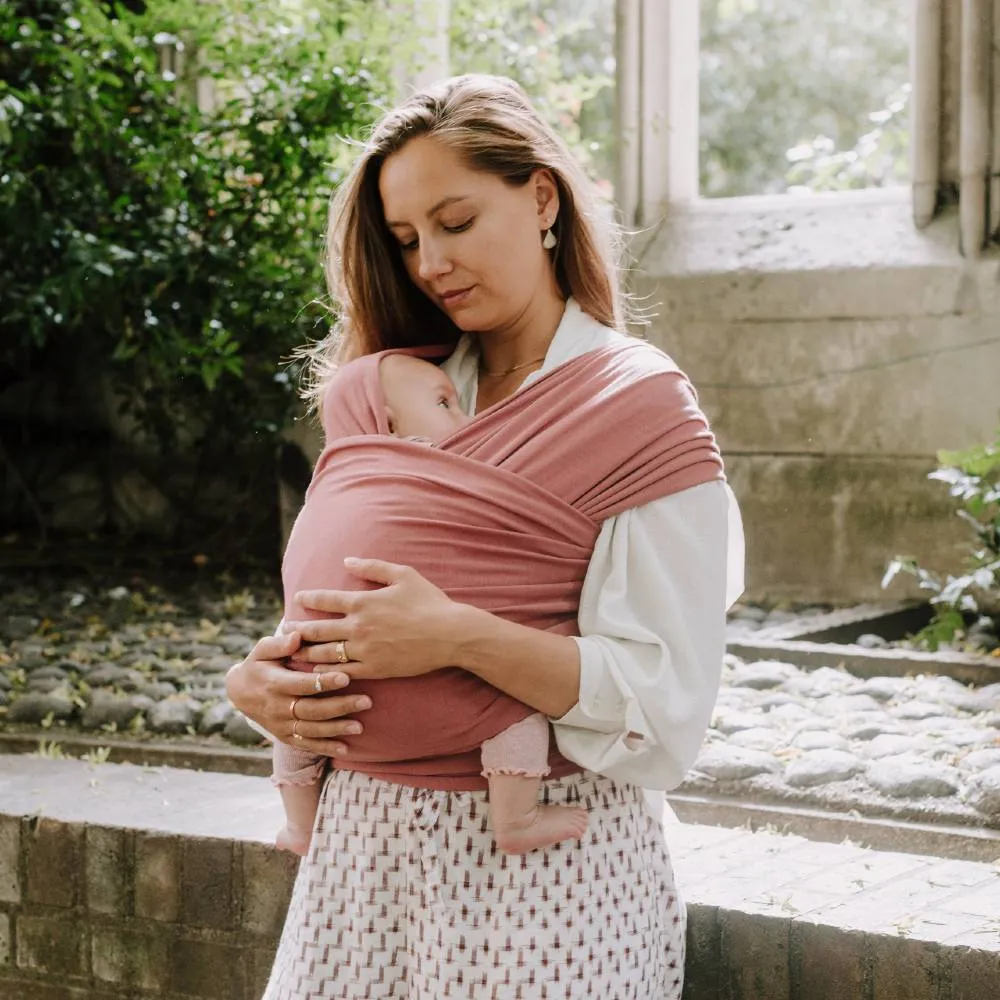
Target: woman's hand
[(406, 628), (276, 697)]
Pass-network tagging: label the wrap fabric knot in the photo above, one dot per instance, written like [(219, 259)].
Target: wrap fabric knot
[(503, 515)]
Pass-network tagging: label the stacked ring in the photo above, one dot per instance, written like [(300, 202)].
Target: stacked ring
[(296, 735), (341, 647), (291, 708), (318, 684)]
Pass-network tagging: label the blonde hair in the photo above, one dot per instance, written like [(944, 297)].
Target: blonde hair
[(490, 122)]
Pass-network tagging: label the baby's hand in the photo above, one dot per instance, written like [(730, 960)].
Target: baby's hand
[(293, 839)]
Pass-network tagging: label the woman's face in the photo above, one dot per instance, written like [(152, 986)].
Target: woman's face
[(471, 242)]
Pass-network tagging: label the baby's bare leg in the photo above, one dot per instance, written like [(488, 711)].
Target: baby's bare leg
[(301, 803), (514, 763)]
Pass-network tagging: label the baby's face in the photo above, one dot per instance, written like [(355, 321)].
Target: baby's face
[(420, 399)]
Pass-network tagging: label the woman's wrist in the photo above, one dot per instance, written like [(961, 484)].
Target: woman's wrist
[(542, 669), (473, 632)]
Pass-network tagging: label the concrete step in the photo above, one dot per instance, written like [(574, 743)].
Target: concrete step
[(120, 882), (884, 833)]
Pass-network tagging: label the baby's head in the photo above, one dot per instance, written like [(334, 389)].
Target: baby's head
[(420, 399)]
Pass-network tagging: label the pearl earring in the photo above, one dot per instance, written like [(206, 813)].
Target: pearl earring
[(550, 240)]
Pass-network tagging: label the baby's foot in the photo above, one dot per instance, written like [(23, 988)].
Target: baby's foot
[(543, 826), (291, 839)]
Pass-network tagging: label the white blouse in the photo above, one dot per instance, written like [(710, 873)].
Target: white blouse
[(652, 612)]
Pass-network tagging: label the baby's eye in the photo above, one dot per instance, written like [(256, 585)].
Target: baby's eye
[(443, 402)]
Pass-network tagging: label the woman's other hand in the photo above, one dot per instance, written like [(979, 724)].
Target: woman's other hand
[(405, 628), (294, 706)]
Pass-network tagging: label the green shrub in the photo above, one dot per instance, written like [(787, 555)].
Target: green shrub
[(973, 480), (173, 249)]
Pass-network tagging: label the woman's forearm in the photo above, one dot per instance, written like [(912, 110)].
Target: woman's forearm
[(539, 668)]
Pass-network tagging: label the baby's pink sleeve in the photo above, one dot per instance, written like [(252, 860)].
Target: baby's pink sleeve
[(296, 767), (521, 749)]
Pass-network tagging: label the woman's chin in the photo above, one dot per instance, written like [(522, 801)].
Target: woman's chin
[(469, 311), (468, 320)]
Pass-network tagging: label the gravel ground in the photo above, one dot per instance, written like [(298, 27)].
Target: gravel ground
[(127, 655)]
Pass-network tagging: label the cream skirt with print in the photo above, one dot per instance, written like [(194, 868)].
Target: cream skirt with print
[(404, 895)]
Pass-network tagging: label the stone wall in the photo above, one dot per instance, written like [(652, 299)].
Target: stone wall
[(98, 913), (835, 349)]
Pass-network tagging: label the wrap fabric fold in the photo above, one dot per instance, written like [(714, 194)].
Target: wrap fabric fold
[(503, 515)]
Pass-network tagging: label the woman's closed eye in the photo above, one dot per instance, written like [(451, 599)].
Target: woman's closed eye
[(460, 228)]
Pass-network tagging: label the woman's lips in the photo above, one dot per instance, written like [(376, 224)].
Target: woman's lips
[(456, 297)]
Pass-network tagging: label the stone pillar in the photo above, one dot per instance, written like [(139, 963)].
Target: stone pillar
[(925, 109), (657, 107), (994, 196), (975, 126), (180, 62), (956, 115)]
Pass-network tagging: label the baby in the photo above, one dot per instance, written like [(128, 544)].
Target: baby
[(422, 405)]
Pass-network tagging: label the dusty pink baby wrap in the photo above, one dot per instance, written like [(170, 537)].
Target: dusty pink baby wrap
[(503, 515)]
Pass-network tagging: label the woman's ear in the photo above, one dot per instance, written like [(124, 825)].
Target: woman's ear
[(546, 197)]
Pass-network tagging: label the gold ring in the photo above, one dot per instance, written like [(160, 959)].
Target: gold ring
[(296, 735), (318, 684), (291, 708), (342, 656)]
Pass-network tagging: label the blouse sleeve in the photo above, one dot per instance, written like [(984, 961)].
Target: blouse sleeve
[(652, 636)]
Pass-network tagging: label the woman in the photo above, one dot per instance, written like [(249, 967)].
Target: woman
[(466, 220)]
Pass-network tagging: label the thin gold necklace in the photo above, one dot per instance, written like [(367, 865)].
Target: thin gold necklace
[(510, 371)]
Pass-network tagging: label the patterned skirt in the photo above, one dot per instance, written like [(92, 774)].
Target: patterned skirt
[(404, 895)]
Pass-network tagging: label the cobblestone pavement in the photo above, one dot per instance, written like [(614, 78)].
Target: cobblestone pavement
[(130, 656), (917, 747)]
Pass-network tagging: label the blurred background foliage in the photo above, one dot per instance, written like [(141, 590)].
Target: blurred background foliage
[(173, 247), (803, 96)]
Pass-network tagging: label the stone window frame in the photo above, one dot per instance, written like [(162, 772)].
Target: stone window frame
[(955, 143)]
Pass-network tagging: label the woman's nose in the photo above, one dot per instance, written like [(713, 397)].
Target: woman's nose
[(433, 262)]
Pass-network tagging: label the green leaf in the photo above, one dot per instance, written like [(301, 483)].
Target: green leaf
[(980, 460), (124, 351)]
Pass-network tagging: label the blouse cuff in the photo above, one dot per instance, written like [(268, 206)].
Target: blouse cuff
[(601, 707)]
